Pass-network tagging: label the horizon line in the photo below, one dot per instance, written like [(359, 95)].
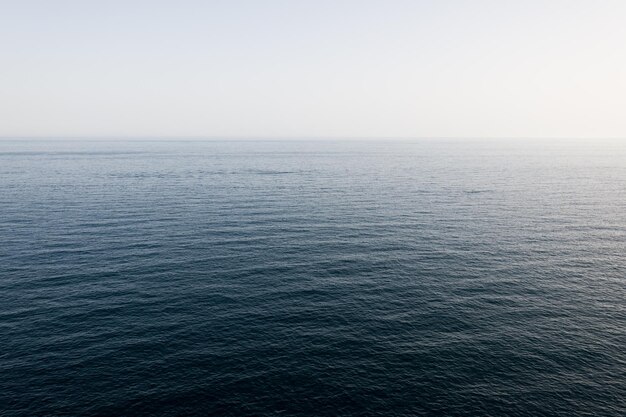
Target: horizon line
[(302, 138)]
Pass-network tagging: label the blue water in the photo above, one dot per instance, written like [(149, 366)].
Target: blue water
[(371, 278)]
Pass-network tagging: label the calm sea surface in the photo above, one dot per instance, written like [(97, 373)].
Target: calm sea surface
[(373, 278)]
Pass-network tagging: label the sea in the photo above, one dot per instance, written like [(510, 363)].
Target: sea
[(431, 277)]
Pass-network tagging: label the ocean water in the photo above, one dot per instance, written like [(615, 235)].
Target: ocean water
[(303, 278)]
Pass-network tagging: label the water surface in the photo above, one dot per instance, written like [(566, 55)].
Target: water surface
[(334, 278)]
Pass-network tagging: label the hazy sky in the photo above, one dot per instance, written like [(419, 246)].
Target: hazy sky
[(313, 68)]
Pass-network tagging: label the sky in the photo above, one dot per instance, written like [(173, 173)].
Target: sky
[(313, 68)]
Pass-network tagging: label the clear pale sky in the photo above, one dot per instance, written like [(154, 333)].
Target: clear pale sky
[(313, 68)]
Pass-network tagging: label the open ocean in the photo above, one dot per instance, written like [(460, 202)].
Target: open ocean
[(304, 278)]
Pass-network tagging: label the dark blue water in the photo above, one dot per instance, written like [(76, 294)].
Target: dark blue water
[(462, 278)]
